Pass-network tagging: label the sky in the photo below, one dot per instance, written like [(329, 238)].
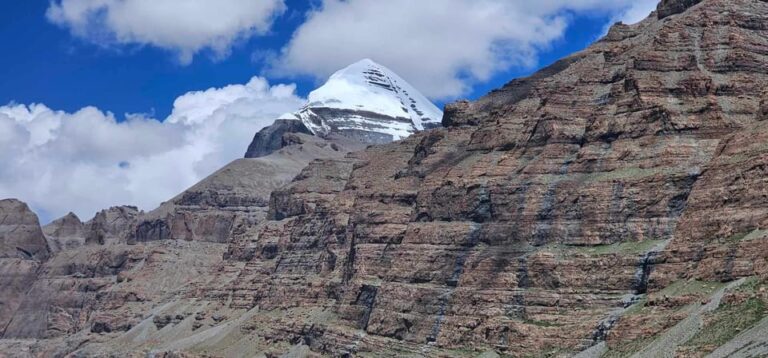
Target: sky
[(112, 102)]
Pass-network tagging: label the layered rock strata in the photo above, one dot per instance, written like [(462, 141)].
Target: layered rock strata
[(236, 196), (611, 204)]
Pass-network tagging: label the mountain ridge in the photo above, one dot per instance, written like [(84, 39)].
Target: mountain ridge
[(364, 102), (367, 97), (610, 205)]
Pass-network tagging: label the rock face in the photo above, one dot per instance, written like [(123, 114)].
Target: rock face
[(20, 232), (673, 7), (65, 233), (112, 226), (22, 249), (544, 210), (270, 139), (237, 196), (612, 204)]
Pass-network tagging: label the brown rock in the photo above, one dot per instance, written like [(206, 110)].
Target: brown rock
[(525, 228)]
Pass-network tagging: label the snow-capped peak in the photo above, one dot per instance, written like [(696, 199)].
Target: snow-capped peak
[(370, 98)]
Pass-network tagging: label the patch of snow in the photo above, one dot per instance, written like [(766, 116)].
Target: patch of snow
[(288, 116), (368, 86)]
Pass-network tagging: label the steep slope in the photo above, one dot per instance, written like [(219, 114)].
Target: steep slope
[(367, 101), (544, 210), (272, 138), (611, 204), (364, 102), (20, 232), (23, 248), (238, 194)]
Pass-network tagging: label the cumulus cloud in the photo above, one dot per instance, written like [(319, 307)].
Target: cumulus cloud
[(441, 47), (183, 26), (88, 160)]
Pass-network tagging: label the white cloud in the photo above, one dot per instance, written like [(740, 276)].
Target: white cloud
[(637, 12), (441, 47), (87, 160), (183, 26)]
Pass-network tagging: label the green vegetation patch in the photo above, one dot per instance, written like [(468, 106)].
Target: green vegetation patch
[(618, 174), (542, 323), (623, 248), (628, 348), (630, 173), (751, 285), (690, 287), (637, 308), (727, 322), (747, 236)]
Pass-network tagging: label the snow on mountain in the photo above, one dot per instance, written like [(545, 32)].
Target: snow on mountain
[(370, 102)]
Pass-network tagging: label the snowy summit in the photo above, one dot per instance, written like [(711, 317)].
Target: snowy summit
[(367, 101)]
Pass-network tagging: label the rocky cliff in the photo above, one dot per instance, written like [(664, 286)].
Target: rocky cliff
[(22, 249), (612, 204)]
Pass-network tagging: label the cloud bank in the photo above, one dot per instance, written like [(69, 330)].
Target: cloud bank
[(183, 26), (441, 47), (88, 160)]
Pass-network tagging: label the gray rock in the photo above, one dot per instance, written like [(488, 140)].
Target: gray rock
[(270, 139), (673, 7), (65, 233), (115, 225), (20, 232), (238, 194)]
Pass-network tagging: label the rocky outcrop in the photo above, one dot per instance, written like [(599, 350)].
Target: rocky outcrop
[(112, 226), (65, 233), (116, 225), (20, 233), (22, 249), (271, 138), (673, 7)]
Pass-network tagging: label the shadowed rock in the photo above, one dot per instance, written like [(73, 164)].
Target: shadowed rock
[(270, 139), (115, 225), (673, 7)]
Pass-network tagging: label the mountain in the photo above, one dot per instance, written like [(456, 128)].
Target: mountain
[(237, 195), (611, 204), (365, 101)]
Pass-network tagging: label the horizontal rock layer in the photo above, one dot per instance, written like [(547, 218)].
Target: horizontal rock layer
[(598, 204)]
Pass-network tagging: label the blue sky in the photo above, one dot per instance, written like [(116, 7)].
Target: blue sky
[(129, 102), (48, 65)]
